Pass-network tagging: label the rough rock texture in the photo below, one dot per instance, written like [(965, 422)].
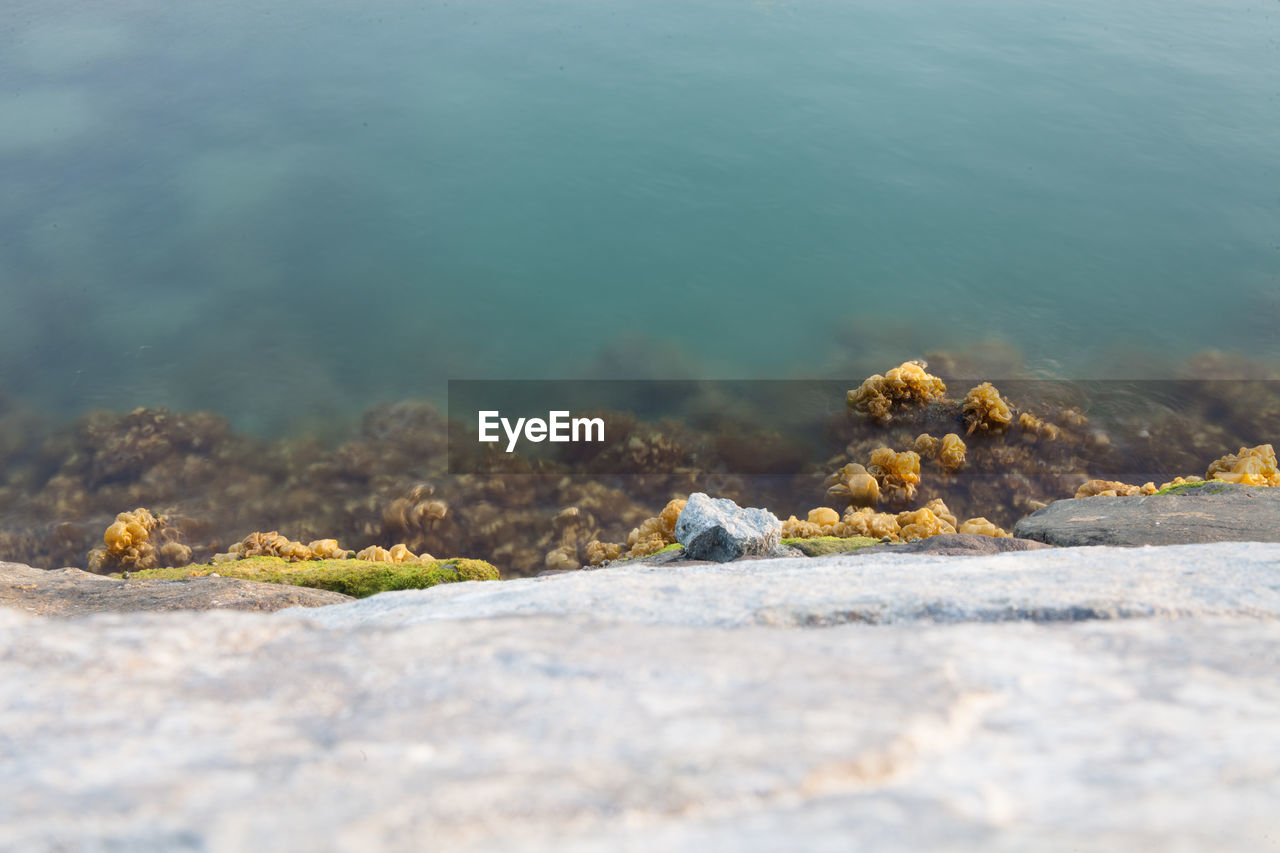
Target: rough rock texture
[(1011, 706), (719, 530), (961, 545), (1049, 585), (71, 592), (1216, 513)]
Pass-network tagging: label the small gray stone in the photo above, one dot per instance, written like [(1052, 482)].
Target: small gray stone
[(719, 530), (1215, 512)]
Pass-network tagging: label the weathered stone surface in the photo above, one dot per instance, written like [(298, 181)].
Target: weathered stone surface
[(71, 592), (719, 530), (673, 708), (961, 545), (1216, 513), (1050, 584)]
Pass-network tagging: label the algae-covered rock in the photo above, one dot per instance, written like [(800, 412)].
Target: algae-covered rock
[(358, 578), (823, 545), (69, 593)]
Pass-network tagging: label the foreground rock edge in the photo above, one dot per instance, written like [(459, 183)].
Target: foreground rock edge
[(1039, 585), (71, 593), (226, 732)]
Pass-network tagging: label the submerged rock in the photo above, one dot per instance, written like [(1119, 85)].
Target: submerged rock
[(1208, 512), (719, 530), (71, 592)]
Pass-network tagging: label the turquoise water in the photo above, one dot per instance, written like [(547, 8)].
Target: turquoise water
[(287, 212)]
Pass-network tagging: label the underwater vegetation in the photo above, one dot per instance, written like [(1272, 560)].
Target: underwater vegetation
[(904, 454)]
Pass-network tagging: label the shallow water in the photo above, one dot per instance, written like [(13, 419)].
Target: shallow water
[(288, 212)]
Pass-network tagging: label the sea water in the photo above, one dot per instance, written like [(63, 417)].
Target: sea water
[(286, 212)]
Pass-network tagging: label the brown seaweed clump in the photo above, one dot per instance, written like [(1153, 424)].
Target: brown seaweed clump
[(821, 521), (574, 531), (138, 540), (897, 473), (398, 553), (1114, 488), (855, 484), (1037, 428), (906, 385), (923, 523), (1252, 466), (949, 450), (651, 536), (272, 544), (981, 527), (932, 519), (984, 409)]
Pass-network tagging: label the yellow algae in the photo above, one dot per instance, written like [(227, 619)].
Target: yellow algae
[(985, 410), (353, 577), (980, 526), (908, 384), (138, 540), (1252, 466)]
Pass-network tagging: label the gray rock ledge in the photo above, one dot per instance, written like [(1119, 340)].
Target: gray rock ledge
[(1097, 699), (72, 592), (1214, 513)]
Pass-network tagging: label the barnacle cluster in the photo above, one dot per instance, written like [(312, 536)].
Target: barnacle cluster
[(138, 540)]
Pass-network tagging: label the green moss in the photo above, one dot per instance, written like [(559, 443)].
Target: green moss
[(359, 578), (1208, 487), (823, 545)]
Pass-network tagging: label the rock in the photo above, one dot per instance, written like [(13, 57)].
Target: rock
[(963, 545), (1216, 512), (889, 587), (71, 592), (719, 530), (821, 546), (351, 577), (673, 708), (948, 544)]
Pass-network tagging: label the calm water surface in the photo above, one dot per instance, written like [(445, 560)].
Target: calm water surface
[(288, 211)]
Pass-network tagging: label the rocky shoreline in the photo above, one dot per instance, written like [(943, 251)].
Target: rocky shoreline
[(959, 692)]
